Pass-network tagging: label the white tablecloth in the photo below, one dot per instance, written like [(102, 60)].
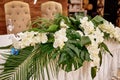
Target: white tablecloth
[(108, 69)]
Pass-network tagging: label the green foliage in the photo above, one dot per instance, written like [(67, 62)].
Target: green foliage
[(93, 71), (100, 56), (106, 35), (16, 64), (85, 40), (73, 54), (98, 20), (105, 48), (33, 62), (15, 60), (75, 23), (41, 23), (52, 28), (37, 30), (30, 62), (6, 47)]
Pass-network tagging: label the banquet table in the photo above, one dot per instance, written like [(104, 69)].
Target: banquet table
[(108, 70)]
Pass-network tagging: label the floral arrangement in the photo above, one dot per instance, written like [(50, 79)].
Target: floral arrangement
[(63, 43)]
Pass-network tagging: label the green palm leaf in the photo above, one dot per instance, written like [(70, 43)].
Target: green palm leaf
[(14, 65), (30, 63)]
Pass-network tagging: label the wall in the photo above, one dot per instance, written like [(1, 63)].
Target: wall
[(35, 10)]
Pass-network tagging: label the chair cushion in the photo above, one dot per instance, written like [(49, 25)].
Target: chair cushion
[(19, 13), (50, 8)]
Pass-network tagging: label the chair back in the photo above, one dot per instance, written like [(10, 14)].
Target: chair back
[(18, 13), (50, 8)]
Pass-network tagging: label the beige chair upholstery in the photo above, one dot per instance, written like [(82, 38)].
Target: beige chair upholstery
[(19, 13), (50, 8)]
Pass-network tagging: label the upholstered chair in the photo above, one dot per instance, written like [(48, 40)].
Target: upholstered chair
[(18, 13), (50, 8)]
